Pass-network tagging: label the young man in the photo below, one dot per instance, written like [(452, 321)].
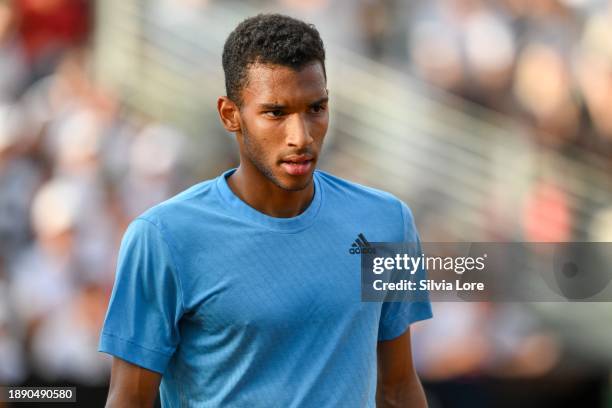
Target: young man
[(241, 291)]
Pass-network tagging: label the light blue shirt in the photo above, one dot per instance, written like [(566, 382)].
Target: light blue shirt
[(240, 309)]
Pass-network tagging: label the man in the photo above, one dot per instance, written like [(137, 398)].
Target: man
[(241, 291)]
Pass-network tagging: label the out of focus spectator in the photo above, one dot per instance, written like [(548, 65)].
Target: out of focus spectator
[(19, 179), (547, 216), (150, 181), (46, 273), (14, 68), (49, 27), (546, 62), (13, 369), (65, 344), (594, 71)]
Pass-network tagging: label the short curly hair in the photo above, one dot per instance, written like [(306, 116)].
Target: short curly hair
[(268, 39)]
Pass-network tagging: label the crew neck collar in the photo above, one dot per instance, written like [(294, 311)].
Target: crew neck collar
[(292, 224)]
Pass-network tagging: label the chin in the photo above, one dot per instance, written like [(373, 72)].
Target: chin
[(295, 183)]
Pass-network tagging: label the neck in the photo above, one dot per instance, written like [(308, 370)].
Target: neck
[(259, 192)]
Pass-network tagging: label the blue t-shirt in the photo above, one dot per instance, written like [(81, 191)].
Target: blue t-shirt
[(240, 309)]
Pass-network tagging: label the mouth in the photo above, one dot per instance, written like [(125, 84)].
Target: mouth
[(297, 165)]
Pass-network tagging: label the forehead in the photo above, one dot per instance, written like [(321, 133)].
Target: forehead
[(269, 83)]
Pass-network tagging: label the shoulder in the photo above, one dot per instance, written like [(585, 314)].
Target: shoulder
[(358, 194), (169, 226), (364, 202), (175, 209)]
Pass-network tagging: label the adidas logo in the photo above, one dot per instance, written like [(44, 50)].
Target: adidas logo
[(361, 246)]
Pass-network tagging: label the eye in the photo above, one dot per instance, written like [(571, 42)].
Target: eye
[(317, 108), (276, 113)]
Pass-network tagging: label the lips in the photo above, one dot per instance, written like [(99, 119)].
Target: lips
[(297, 165)]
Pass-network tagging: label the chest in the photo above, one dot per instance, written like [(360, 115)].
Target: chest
[(279, 282)]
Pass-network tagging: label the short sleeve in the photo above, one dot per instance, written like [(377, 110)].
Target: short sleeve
[(146, 304), (396, 317)]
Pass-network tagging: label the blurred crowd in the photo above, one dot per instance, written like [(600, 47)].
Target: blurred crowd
[(76, 166), (547, 62)]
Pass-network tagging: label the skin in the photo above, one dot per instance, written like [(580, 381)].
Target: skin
[(283, 113), (132, 386), (398, 382)]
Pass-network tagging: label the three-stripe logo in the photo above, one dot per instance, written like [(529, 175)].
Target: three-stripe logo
[(361, 246)]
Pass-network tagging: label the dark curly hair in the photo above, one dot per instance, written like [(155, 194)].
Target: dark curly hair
[(268, 39)]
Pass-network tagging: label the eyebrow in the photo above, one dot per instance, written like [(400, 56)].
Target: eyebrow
[(320, 101), (276, 106), (271, 106)]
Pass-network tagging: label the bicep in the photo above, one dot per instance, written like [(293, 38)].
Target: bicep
[(132, 385), (398, 383), (395, 359)]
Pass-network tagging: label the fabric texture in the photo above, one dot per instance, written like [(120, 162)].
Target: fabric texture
[(236, 308)]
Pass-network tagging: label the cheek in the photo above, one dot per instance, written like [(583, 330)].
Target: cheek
[(318, 127), (260, 141), (267, 130)]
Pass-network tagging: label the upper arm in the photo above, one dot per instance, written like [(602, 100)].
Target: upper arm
[(132, 385), (395, 359), (146, 305), (398, 383)]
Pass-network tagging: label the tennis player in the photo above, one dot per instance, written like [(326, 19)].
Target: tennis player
[(244, 290)]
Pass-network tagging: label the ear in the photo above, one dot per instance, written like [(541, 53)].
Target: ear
[(229, 114)]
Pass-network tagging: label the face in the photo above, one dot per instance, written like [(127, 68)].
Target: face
[(283, 121)]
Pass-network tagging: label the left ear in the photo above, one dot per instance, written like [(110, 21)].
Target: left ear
[(229, 114)]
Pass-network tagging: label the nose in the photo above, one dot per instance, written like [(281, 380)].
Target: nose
[(298, 134)]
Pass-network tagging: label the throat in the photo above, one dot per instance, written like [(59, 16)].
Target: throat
[(268, 198)]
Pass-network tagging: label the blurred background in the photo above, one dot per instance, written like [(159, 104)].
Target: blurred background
[(491, 119)]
